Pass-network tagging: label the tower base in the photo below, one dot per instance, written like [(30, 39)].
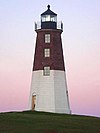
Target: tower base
[(49, 93)]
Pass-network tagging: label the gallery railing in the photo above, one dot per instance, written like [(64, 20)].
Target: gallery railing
[(38, 25)]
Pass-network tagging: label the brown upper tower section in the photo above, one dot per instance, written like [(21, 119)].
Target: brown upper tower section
[(48, 51)]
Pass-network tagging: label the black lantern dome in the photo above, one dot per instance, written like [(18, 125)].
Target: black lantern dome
[(48, 19)]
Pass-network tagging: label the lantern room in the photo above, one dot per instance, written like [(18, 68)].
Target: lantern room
[(48, 19)]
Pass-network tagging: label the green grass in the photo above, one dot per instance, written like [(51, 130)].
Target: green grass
[(40, 122)]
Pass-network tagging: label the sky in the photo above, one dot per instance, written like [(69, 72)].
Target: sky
[(81, 47)]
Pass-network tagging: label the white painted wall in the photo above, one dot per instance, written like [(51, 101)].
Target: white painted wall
[(50, 92), (61, 93)]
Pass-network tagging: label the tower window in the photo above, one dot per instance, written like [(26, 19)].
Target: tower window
[(47, 52), (46, 71), (47, 38)]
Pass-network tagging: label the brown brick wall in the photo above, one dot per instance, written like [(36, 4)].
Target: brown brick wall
[(55, 61)]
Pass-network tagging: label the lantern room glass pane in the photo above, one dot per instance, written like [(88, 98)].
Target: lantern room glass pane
[(53, 18), (43, 18), (46, 18)]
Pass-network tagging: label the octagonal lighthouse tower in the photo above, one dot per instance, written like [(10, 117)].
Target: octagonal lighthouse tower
[(49, 91)]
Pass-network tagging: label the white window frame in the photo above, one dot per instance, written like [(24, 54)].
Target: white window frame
[(46, 71), (46, 52), (47, 38)]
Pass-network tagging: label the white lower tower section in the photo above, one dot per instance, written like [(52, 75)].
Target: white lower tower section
[(50, 92)]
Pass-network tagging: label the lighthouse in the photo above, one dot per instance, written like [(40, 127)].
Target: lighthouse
[(49, 92)]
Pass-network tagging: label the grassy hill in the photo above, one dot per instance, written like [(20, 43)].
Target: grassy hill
[(40, 122)]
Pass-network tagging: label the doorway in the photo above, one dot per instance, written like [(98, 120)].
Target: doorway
[(33, 101)]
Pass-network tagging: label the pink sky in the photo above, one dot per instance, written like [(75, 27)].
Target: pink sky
[(81, 44)]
